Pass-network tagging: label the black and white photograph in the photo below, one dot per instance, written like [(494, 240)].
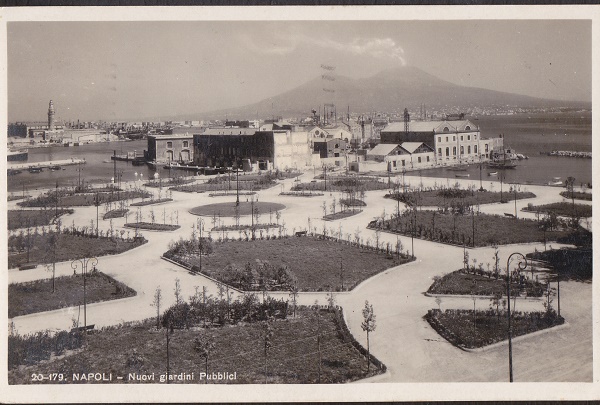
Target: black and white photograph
[(378, 202)]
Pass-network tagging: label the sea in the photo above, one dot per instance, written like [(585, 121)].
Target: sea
[(528, 134)]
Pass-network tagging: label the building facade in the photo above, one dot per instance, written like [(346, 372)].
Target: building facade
[(454, 142), (170, 148), (251, 149)]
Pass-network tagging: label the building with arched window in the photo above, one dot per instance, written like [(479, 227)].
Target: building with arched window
[(461, 137)]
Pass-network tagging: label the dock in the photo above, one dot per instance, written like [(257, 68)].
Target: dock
[(46, 164)]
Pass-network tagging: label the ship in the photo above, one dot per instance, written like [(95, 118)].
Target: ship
[(17, 155)]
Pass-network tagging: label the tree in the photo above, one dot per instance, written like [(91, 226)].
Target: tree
[(438, 301), (156, 303), (177, 292), (294, 292), (368, 325), (268, 341), (204, 345)]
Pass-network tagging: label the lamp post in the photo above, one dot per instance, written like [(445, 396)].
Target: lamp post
[(200, 242), (97, 204), (237, 185), (84, 263), (520, 266)]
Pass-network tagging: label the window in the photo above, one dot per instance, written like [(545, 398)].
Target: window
[(428, 158), (454, 139), (454, 150), (419, 159), (394, 163), (467, 128), (468, 137), (474, 136), (447, 151), (446, 129), (439, 139), (169, 144), (461, 137), (475, 148), (440, 151), (403, 164), (185, 144), (462, 150), (469, 149), (487, 148), (446, 139)]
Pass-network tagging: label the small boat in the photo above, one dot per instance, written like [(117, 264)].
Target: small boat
[(462, 175), (35, 170), (492, 173)]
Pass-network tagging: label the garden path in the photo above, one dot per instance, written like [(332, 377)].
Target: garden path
[(412, 350)]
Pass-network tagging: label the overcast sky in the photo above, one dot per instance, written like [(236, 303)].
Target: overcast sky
[(129, 70)]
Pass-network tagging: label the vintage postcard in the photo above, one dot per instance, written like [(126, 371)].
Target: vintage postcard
[(298, 203)]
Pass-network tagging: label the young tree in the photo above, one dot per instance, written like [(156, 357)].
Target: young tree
[(177, 292), (204, 346), (156, 303), (438, 301), (268, 341), (368, 325), (294, 293)]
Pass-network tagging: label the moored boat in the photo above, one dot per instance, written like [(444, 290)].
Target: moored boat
[(17, 155)]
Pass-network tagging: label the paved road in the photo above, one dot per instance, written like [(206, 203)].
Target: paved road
[(412, 350)]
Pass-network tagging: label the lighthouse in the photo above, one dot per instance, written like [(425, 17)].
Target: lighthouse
[(51, 116)]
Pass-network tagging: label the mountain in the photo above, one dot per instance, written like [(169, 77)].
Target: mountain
[(389, 90)]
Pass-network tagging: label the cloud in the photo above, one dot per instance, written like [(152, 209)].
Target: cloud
[(383, 48)]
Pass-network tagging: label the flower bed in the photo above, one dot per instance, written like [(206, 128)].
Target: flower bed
[(315, 263), (37, 296), (341, 215), (151, 202), (115, 214), (152, 227), (32, 218), (565, 209), (461, 282), (469, 330)]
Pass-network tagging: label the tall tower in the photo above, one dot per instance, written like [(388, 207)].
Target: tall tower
[(51, 116)]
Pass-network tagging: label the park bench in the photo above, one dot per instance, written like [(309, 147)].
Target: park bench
[(81, 329), (28, 266), (301, 233), (506, 214)]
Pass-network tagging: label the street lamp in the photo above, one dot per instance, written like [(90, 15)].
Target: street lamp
[(522, 265), (83, 263), (97, 204)]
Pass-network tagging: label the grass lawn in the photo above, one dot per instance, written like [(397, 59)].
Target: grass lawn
[(82, 199), (574, 264), (343, 183), (152, 226), (458, 229), (448, 197), (578, 195), (115, 214), (151, 202), (242, 227), (176, 181), (292, 358), (316, 263), (37, 296), (564, 209), (68, 247), (488, 327), (301, 194), (462, 283), (228, 209), (341, 215), (32, 218)]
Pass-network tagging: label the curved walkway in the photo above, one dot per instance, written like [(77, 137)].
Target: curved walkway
[(412, 350)]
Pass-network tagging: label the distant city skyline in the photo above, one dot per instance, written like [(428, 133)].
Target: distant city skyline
[(135, 70)]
